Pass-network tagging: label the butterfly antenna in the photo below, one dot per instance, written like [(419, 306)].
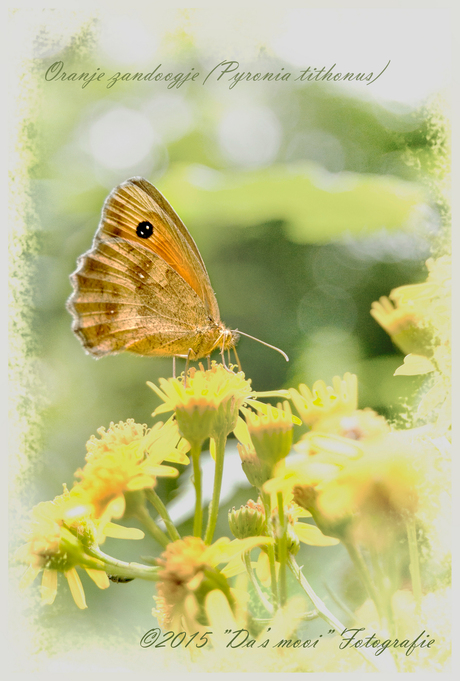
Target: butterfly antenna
[(273, 347)]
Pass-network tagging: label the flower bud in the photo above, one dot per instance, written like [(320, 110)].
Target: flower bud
[(256, 471), (247, 521), (271, 433)]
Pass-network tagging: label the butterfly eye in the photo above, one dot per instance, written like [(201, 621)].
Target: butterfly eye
[(144, 229)]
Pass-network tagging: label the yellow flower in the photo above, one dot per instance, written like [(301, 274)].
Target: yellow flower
[(367, 490), (430, 300), (126, 458), (264, 438), (205, 402), (393, 319), (270, 432), (426, 338), (189, 572), (162, 442), (59, 533), (381, 483), (332, 414), (122, 433), (322, 401), (52, 547)]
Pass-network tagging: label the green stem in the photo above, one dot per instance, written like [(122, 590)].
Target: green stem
[(159, 506), (282, 550), (414, 565), (152, 528), (338, 601), (255, 583), (198, 519), (363, 572), (220, 441), (270, 548), (383, 590), (122, 569), (380, 664)]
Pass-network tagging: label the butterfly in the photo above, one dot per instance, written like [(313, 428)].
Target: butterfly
[(143, 286)]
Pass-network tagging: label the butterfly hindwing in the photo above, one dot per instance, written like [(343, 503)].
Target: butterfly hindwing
[(128, 298)]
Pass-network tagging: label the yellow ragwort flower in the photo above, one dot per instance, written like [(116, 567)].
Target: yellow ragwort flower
[(431, 300), (205, 402), (322, 401), (271, 432), (381, 485), (426, 337), (334, 418), (189, 572), (264, 439), (367, 491), (117, 464), (52, 547)]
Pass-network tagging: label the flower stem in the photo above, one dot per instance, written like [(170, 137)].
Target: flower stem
[(255, 583), (270, 549), (321, 608), (363, 572), (122, 569), (282, 550), (380, 664), (218, 472), (383, 590), (198, 518), (159, 506), (414, 565), (152, 528)]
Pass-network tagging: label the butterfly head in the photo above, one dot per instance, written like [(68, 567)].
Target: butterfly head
[(223, 338)]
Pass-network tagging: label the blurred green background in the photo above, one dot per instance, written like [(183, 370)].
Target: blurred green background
[(305, 210)]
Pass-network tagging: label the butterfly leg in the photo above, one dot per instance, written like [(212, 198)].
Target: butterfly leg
[(240, 368), (222, 353), (174, 366), (187, 362), (209, 361)]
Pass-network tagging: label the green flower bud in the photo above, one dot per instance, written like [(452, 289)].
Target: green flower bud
[(256, 471), (247, 521)]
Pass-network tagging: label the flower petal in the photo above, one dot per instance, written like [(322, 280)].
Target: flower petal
[(309, 534), (28, 576), (49, 586), (415, 364), (76, 588), (99, 577), (120, 532), (234, 567), (225, 552)]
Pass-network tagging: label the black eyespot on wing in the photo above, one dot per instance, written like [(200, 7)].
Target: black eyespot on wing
[(144, 229)]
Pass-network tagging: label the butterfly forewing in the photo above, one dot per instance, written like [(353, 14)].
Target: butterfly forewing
[(143, 286), (136, 201)]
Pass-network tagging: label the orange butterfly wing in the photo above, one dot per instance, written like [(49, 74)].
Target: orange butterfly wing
[(143, 286), (136, 201)]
